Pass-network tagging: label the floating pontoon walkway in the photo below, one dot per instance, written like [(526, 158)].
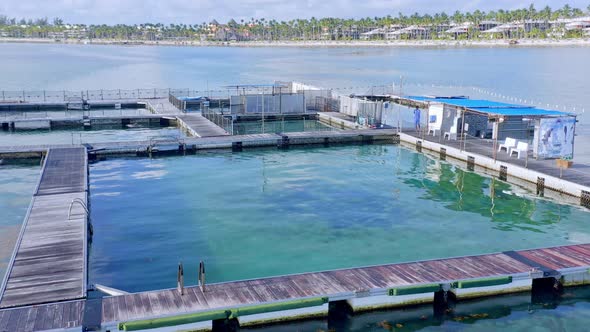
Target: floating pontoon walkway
[(199, 126), (498, 273), (309, 293), (218, 142), (49, 259)]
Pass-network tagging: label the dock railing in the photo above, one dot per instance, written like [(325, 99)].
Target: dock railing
[(216, 116), (61, 96)]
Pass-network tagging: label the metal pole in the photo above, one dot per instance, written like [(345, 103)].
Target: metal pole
[(462, 127), (44, 98), (263, 110), (399, 125), (24, 99)]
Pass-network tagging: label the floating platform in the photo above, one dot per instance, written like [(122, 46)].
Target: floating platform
[(338, 120), (198, 126), (364, 288), (50, 256)]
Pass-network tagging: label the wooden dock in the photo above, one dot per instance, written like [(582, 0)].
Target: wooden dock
[(496, 272), (54, 316), (50, 257), (199, 126), (350, 284)]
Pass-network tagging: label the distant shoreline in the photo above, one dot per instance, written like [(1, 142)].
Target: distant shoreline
[(314, 43)]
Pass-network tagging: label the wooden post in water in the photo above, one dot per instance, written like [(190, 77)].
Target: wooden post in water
[(180, 279), (202, 276)]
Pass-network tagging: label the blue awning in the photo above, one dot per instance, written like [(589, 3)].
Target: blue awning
[(490, 107)]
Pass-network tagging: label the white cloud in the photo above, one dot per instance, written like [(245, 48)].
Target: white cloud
[(197, 11)]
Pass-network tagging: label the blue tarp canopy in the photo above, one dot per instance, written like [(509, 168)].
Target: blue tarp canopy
[(490, 107)]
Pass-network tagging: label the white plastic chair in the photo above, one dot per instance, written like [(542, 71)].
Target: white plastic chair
[(509, 143), (521, 147), (452, 133)]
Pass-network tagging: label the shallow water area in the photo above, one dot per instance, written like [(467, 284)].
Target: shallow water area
[(270, 212), (17, 184)]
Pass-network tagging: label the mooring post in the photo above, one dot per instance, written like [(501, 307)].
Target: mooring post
[(202, 276), (180, 279), (339, 315)]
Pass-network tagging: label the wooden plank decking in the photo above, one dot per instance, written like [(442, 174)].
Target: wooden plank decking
[(340, 284), (200, 126), (49, 260), (53, 316)]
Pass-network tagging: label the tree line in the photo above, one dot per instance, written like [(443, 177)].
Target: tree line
[(271, 29)]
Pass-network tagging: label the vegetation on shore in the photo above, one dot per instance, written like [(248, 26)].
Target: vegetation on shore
[(260, 29)]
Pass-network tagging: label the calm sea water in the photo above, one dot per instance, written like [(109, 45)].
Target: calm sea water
[(81, 136), (546, 75), (271, 212), (373, 195)]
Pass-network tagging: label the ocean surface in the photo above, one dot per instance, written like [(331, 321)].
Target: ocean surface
[(550, 77), (236, 211)]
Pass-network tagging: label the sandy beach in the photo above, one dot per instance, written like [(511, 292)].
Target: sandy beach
[(318, 43)]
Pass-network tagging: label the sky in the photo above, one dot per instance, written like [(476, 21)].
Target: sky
[(198, 11)]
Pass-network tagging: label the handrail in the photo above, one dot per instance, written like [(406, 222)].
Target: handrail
[(79, 201)]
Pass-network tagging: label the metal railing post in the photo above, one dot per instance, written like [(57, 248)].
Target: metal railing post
[(119, 93), (44, 97), (24, 99)]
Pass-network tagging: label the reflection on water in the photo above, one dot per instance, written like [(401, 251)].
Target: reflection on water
[(569, 311), (270, 212), (462, 190)]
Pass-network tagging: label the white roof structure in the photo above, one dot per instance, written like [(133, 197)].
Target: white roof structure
[(408, 30), (505, 28), (462, 28), (578, 25), (373, 32)]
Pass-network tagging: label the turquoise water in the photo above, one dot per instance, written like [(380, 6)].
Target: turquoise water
[(80, 136), (567, 312), (270, 212), (17, 184), (287, 126)]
